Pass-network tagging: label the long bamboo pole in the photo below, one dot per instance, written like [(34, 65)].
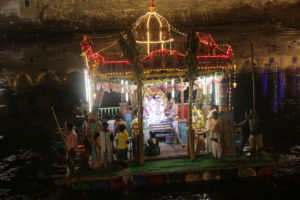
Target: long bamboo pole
[(55, 118), (253, 154), (253, 89)]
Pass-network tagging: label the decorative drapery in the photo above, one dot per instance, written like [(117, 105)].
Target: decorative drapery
[(99, 97), (116, 87), (155, 88)]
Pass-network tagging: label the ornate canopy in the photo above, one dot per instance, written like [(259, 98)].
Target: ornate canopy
[(152, 30)]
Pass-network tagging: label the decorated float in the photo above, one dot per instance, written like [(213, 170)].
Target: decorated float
[(168, 81), (166, 68)]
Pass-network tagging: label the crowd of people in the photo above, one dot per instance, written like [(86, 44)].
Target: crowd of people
[(103, 141), (106, 140)]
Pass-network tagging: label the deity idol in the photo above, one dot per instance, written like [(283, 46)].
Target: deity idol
[(154, 109), (148, 106), (159, 109)]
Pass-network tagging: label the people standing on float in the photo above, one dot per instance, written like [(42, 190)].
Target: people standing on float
[(256, 135), (122, 143), (208, 126), (85, 133), (94, 128), (106, 145), (216, 136), (111, 124), (71, 144), (245, 130), (97, 142), (118, 122)]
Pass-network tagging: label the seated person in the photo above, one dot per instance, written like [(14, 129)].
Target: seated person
[(152, 148)]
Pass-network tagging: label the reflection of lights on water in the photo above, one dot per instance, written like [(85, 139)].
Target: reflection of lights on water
[(281, 86), (265, 83), (275, 91), (294, 82)]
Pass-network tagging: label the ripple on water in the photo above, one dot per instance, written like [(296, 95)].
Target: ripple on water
[(8, 170)]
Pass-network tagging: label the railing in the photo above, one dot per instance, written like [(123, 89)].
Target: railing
[(109, 111)]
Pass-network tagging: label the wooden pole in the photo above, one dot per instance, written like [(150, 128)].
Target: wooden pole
[(253, 151), (140, 120), (55, 118), (191, 73), (253, 88), (191, 142), (182, 103)]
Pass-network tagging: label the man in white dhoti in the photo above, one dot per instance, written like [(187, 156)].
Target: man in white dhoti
[(216, 141), (208, 126)]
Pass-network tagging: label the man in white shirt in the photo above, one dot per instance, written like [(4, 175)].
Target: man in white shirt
[(106, 145)]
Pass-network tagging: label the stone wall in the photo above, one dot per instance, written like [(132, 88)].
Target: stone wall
[(60, 55), (114, 14)]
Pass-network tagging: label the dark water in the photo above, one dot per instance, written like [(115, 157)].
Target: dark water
[(25, 159)]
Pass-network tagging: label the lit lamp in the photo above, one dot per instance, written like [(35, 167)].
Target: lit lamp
[(234, 84)]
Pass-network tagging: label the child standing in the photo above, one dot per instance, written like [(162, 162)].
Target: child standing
[(122, 143)]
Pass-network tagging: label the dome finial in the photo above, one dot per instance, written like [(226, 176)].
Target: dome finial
[(152, 6)]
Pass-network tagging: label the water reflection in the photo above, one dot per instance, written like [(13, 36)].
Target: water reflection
[(265, 78), (275, 91), (294, 90), (282, 88)]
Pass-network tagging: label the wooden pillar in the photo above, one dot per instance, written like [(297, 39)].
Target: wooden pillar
[(141, 123), (182, 103), (191, 138)]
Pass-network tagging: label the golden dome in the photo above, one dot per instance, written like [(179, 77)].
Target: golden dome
[(152, 30)]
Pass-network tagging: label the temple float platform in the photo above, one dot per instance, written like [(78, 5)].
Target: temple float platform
[(176, 170)]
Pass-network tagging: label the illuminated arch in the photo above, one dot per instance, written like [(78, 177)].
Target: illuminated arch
[(47, 78), (8, 81), (22, 79)]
